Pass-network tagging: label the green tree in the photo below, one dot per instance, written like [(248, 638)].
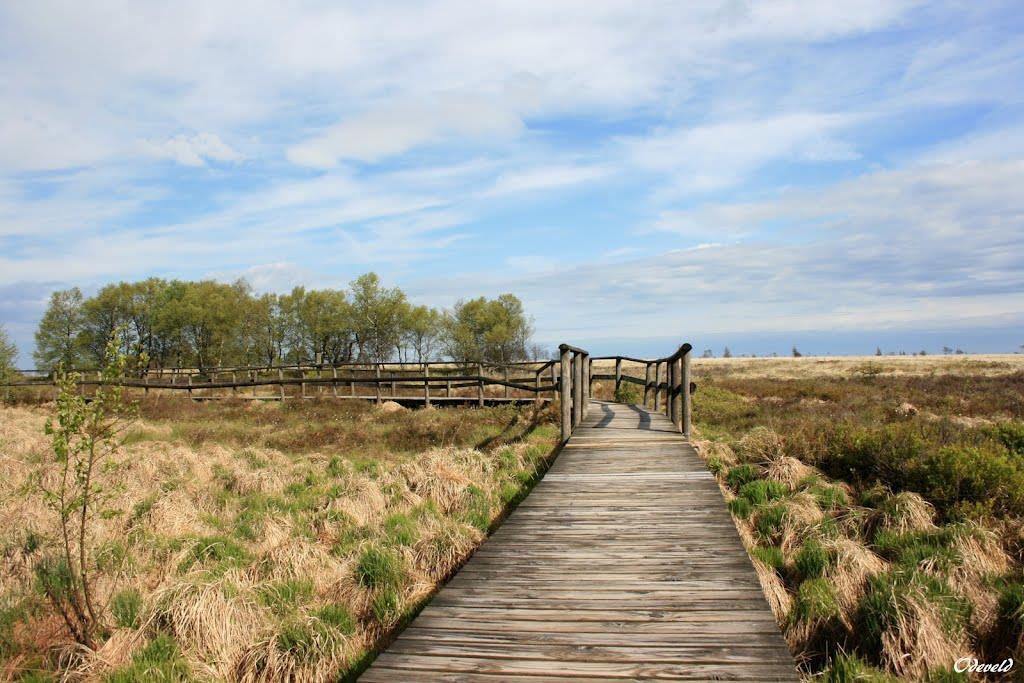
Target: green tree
[(378, 315), (58, 339), (209, 315), (323, 324), (492, 330), (8, 355), (422, 332)]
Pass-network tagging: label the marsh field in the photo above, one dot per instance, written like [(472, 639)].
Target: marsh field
[(881, 499)]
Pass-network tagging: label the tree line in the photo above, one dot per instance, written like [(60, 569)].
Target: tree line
[(204, 324)]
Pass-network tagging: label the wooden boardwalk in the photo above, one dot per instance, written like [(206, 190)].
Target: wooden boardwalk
[(623, 563)]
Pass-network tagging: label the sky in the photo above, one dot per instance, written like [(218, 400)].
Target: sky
[(754, 174)]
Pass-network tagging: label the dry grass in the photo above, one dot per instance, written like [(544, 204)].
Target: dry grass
[(267, 542)]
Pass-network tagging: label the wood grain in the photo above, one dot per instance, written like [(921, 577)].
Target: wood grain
[(622, 564)]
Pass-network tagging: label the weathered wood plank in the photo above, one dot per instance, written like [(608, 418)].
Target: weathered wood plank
[(622, 564)]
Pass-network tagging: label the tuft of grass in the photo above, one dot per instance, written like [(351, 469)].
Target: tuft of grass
[(740, 507), (815, 603), (761, 491), (126, 607), (380, 568), (219, 550), (770, 520), (477, 508), (285, 596), (850, 669), (769, 555), (400, 529), (337, 617), (740, 475), (812, 559), (387, 607), (159, 661)]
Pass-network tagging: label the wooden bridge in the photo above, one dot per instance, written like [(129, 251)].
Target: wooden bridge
[(623, 563)]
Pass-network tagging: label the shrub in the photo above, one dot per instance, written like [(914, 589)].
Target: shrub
[(1011, 435), (740, 475), (761, 491), (126, 606), (628, 393)]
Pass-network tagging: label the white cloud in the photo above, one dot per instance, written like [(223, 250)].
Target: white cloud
[(719, 155), (546, 178), (398, 128), (194, 150)]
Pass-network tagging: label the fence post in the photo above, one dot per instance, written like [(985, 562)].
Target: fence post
[(647, 383), (426, 385), (577, 388), (564, 384), (670, 390), (618, 375), (334, 380), (505, 375), (677, 404), (190, 385), (377, 371), (480, 384), (687, 415), (234, 383), (280, 384), (588, 366)]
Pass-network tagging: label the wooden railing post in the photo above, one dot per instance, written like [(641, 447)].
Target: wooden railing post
[(587, 373), (334, 380), (505, 375), (480, 384), (190, 385), (657, 387), (618, 375), (377, 372), (280, 385), (677, 403), (577, 388), (426, 385), (564, 389), (686, 416), (670, 390), (647, 383)]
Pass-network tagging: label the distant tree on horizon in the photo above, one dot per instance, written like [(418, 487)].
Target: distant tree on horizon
[(878, 351), (796, 353), (726, 353), (708, 353), (8, 353)]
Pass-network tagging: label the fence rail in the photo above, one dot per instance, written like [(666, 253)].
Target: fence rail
[(667, 382)]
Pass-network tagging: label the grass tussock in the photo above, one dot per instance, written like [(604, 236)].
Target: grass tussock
[(261, 542), (888, 540)]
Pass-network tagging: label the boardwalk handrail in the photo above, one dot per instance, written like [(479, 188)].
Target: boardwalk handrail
[(571, 381), (677, 376)]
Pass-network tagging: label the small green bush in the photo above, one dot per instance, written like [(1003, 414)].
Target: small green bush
[(1011, 435), (740, 475), (761, 491), (126, 606), (715, 465), (628, 393), (379, 568)]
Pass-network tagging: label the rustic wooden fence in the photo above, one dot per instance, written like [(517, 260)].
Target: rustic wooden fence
[(570, 378)]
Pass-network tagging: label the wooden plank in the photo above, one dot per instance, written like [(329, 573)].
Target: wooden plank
[(622, 564)]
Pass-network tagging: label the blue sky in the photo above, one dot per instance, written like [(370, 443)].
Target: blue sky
[(837, 175)]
